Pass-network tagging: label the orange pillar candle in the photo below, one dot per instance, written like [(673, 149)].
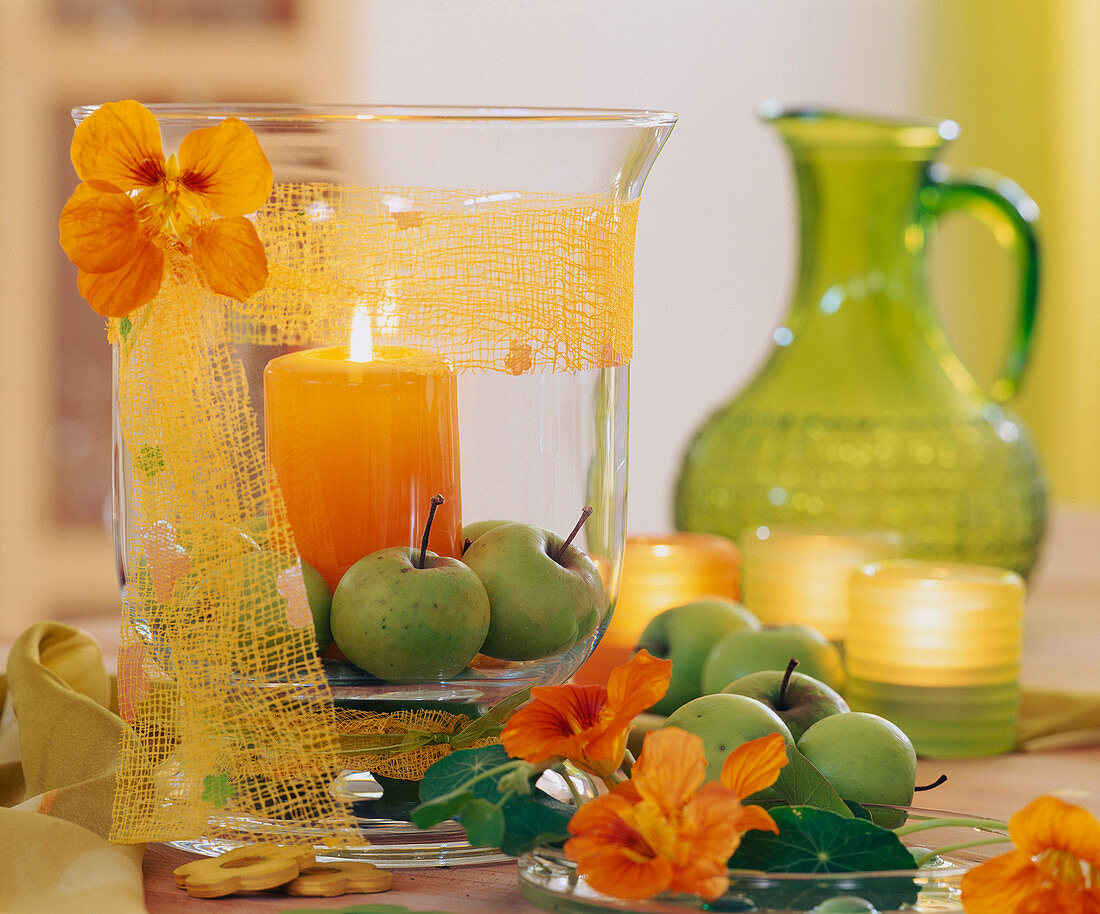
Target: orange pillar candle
[(358, 448)]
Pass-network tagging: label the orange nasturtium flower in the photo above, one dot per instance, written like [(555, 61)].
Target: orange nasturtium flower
[(587, 724), (133, 205), (1055, 867), (665, 829)]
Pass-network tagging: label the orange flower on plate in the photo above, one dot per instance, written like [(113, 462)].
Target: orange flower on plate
[(134, 204), (667, 828), (1055, 867), (587, 724)]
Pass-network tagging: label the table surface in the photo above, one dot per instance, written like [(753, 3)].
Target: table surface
[(1062, 632)]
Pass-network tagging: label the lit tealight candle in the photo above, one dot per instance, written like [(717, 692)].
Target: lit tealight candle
[(792, 576), (359, 441), (935, 647), (660, 572)]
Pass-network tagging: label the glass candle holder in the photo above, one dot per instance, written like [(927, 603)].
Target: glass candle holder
[(447, 311), (935, 648), (661, 571), (799, 576)]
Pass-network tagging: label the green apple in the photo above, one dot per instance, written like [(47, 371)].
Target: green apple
[(685, 635), (545, 595), (865, 757), (320, 604), (798, 699), (725, 722), (401, 620), (772, 648), (236, 594), (470, 532)]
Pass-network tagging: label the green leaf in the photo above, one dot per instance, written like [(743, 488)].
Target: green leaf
[(454, 771), (801, 784), (818, 841), (538, 821), (484, 823), (440, 809)]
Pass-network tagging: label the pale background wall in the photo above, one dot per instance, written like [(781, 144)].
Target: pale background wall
[(715, 244)]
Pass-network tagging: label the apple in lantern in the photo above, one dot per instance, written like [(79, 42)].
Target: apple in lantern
[(545, 594), (685, 635), (404, 615)]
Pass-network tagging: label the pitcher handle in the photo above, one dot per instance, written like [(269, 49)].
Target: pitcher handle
[(988, 194)]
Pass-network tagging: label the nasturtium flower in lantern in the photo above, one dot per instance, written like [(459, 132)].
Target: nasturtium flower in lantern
[(587, 724), (1054, 868), (134, 205), (667, 828)]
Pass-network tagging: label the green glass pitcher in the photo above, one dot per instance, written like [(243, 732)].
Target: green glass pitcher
[(862, 417)]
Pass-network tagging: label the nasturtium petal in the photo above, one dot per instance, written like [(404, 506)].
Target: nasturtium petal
[(120, 143), (100, 228), (755, 765), (227, 167), (670, 768), (231, 256), (117, 293), (1048, 822)]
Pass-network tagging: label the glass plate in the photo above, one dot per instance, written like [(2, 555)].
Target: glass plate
[(548, 879)]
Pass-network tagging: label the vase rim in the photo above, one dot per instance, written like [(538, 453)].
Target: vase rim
[(841, 128), (293, 113)]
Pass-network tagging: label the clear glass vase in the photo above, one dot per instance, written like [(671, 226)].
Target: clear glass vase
[(862, 419), (483, 258)]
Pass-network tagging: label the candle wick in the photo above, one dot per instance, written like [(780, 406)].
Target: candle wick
[(586, 513), (437, 500)]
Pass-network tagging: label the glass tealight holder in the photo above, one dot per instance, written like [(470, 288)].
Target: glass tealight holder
[(448, 310), (800, 576), (661, 571), (935, 648)]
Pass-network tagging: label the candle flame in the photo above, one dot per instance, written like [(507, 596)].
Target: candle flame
[(361, 344)]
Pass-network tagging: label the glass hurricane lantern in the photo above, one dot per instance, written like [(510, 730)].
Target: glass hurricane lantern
[(495, 245)]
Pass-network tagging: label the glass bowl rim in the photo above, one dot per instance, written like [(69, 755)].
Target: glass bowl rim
[(481, 115)]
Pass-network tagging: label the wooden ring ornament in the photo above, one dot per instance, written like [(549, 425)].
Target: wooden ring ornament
[(324, 880), (244, 869)]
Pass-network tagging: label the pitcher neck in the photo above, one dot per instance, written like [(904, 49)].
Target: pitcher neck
[(859, 226)]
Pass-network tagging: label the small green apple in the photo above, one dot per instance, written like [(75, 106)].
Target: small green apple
[(798, 699), (725, 722), (236, 594), (405, 617), (320, 604), (685, 635), (545, 595), (771, 648), (470, 532), (865, 757)]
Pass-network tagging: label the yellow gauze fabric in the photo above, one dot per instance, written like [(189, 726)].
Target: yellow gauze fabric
[(218, 672)]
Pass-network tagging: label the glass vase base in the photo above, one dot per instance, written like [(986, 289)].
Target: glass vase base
[(390, 844)]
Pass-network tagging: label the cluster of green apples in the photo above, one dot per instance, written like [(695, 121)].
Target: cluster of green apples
[(519, 592), (734, 680)]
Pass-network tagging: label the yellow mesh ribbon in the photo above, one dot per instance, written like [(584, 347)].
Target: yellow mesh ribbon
[(232, 715)]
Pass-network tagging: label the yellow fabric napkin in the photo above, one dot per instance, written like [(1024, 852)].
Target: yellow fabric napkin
[(1050, 716), (59, 741)]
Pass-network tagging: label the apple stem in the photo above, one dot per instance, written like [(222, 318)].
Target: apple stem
[(437, 500), (935, 783), (586, 513), (781, 704)]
